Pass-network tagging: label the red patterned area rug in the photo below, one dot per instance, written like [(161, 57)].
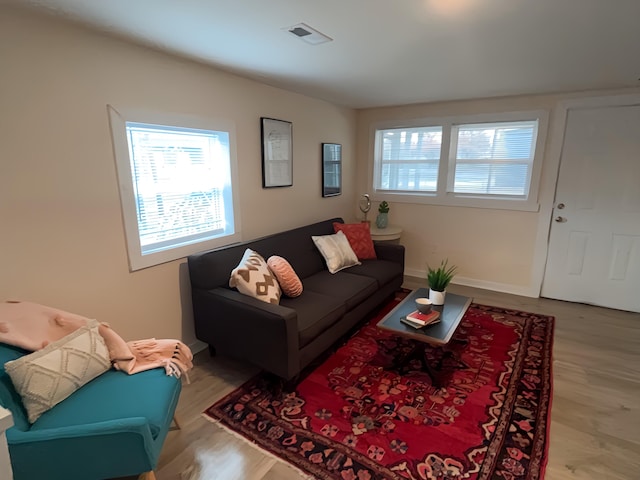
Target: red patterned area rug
[(370, 411)]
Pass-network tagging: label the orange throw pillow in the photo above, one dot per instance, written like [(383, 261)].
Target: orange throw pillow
[(287, 278), (359, 237)]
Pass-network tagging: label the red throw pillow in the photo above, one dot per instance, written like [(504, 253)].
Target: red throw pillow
[(359, 237)]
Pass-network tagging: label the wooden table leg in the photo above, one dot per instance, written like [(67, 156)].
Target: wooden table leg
[(175, 420)]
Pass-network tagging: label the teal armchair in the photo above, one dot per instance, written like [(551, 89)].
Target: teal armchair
[(113, 426)]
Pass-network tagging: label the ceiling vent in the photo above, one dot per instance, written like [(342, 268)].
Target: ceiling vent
[(306, 33)]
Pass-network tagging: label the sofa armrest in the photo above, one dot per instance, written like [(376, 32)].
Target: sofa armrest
[(392, 252), (244, 327), (252, 306)]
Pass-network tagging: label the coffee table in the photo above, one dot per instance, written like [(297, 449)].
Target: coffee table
[(451, 313)]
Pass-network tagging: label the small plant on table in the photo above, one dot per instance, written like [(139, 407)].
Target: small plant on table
[(440, 278)]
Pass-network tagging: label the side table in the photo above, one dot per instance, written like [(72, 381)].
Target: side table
[(6, 422), (392, 232)]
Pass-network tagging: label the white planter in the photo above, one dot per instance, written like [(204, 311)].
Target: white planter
[(437, 297)]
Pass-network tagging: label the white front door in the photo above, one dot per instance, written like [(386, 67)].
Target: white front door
[(594, 244)]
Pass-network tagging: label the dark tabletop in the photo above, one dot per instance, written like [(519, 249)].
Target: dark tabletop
[(451, 313)]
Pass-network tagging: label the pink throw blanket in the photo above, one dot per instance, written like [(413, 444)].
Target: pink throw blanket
[(32, 326)]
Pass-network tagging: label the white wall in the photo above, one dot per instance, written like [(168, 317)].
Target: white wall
[(62, 241), (501, 250)]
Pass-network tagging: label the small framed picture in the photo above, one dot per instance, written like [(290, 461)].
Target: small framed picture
[(277, 153), (331, 169)]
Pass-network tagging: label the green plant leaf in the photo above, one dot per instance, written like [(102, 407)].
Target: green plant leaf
[(439, 278)]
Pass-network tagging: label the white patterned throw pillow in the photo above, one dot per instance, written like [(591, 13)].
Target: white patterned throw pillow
[(48, 376), (337, 251), (252, 277)]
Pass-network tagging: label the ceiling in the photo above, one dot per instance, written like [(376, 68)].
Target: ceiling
[(388, 52)]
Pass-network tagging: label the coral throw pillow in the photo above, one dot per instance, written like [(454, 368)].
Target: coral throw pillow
[(359, 237), (287, 278), (252, 277)]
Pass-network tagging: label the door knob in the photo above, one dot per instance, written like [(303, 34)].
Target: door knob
[(560, 219)]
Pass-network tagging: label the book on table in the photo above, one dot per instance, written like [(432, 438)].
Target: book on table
[(417, 319)]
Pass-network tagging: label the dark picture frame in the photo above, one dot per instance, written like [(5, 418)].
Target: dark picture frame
[(277, 152), (331, 169)]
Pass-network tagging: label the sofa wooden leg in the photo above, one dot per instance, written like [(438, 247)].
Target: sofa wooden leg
[(175, 420), (147, 476)]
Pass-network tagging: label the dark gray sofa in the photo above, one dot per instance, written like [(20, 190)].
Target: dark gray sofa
[(285, 338)]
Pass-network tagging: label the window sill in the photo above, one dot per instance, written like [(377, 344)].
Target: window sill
[(452, 200)]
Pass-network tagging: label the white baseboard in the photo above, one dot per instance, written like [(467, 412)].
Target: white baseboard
[(197, 346), (525, 291)]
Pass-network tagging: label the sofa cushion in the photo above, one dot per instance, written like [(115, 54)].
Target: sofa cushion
[(336, 251), (383, 271), (115, 395), (359, 236), (344, 286), (48, 376), (316, 313), (285, 274), (252, 277)]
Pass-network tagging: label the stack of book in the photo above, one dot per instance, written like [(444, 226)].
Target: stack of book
[(418, 320)]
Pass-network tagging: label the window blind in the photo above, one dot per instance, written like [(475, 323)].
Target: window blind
[(409, 159), (494, 158), (179, 176)]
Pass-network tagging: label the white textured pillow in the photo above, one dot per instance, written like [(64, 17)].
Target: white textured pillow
[(337, 251), (252, 277), (48, 376)]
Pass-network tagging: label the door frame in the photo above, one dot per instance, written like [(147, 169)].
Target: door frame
[(551, 171)]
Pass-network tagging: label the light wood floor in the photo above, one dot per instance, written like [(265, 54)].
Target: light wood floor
[(595, 419)]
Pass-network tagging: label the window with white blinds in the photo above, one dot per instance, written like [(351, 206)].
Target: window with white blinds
[(493, 158), (179, 177), (488, 161), (176, 190), (409, 159)]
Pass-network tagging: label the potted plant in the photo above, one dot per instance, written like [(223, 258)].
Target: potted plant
[(439, 279), (383, 212)]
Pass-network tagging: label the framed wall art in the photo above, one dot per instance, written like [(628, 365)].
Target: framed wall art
[(277, 153), (331, 169)]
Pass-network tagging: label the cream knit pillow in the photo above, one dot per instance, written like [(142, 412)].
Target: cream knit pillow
[(48, 376)]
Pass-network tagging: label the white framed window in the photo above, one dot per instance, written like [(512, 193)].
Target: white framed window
[(409, 159), (492, 158), (488, 161), (176, 177)]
